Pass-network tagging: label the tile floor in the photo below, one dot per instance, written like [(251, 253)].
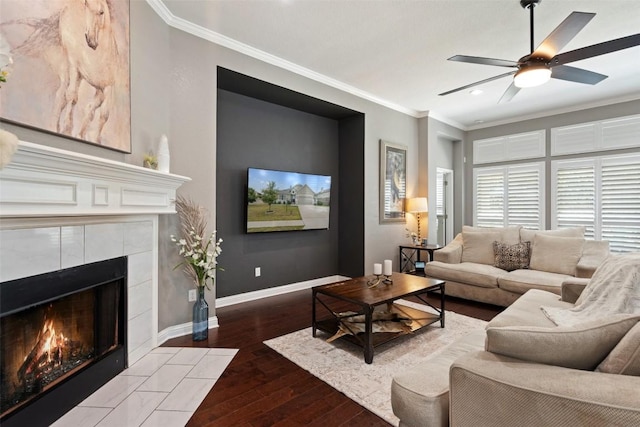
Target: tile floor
[(164, 388)]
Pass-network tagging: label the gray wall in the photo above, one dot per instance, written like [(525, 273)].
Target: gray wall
[(174, 92), (588, 115), (433, 134), (254, 133), (193, 141)]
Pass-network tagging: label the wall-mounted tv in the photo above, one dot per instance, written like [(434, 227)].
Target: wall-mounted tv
[(287, 201)]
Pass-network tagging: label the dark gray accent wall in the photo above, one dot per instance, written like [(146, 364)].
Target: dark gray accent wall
[(255, 133), (351, 196)]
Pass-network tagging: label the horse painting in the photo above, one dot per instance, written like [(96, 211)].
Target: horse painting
[(83, 45)]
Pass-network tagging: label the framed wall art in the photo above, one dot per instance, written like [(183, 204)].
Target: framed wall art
[(70, 70), (393, 181)]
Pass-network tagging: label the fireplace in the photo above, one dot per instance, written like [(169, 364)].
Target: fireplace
[(62, 336)]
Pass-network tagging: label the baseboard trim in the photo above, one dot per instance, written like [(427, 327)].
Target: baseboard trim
[(186, 328), (278, 290), (182, 330)]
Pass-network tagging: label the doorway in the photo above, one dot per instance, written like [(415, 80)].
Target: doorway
[(444, 205)]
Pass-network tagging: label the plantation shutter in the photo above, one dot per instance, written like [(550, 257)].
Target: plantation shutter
[(621, 203), (489, 197), (509, 195), (575, 196), (525, 196)]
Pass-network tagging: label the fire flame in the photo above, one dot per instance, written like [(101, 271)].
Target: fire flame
[(48, 348)]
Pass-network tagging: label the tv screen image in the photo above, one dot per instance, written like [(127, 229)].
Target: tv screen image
[(287, 201)]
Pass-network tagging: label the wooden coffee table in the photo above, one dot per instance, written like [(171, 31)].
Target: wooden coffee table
[(355, 295)]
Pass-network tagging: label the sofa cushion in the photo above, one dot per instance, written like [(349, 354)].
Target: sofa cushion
[(511, 257), (528, 235), (576, 347), (625, 357), (509, 235), (594, 252), (520, 281), (485, 276), (477, 246), (556, 254), (525, 311), (420, 396)]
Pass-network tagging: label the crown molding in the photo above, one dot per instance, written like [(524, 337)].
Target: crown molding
[(196, 30), (555, 112)]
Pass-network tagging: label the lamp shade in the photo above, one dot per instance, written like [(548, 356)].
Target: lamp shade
[(417, 204)]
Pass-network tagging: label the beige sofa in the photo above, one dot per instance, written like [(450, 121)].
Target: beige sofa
[(531, 374), (469, 265)]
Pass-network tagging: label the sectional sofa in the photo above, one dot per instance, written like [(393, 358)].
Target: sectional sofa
[(523, 370), (498, 265)]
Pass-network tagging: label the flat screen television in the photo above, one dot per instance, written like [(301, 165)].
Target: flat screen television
[(287, 201)]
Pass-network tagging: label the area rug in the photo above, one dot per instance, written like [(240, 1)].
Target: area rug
[(341, 364)]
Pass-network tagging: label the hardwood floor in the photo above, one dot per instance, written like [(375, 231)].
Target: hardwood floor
[(262, 388)]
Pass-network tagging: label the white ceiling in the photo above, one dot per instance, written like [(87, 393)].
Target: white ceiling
[(395, 51)]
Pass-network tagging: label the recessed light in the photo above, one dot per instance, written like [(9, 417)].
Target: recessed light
[(478, 122), (476, 92)]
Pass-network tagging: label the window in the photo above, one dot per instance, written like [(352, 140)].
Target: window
[(509, 195), (602, 194)]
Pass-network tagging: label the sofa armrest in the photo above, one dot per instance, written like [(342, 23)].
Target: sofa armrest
[(593, 253), (451, 253), (572, 288), (489, 389)]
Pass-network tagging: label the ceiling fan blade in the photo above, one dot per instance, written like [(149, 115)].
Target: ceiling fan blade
[(484, 61), (508, 94), (563, 34), (578, 75), (596, 50), (477, 83)]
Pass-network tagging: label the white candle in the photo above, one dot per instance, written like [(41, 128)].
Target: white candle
[(377, 269), (387, 267)]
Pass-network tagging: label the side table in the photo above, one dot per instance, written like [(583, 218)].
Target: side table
[(410, 254)]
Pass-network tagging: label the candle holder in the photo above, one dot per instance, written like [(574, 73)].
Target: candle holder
[(387, 280), (374, 282)]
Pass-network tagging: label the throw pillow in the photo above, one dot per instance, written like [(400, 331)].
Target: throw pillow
[(511, 257), (576, 347), (556, 254), (625, 357), (477, 246)]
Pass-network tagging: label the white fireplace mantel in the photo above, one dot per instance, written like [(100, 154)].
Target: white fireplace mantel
[(60, 209), (45, 181)]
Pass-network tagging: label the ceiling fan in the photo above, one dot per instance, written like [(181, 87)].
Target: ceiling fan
[(545, 62)]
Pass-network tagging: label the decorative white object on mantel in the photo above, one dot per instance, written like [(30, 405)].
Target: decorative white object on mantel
[(46, 181), (164, 158)]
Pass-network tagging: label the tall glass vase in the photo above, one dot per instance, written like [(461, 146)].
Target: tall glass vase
[(200, 317)]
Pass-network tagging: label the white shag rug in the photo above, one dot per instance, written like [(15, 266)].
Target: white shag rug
[(341, 364)]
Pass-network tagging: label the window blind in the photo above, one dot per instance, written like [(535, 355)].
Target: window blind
[(602, 194), (509, 195), (621, 203), (575, 203)]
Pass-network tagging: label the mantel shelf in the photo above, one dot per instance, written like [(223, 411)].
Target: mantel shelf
[(45, 181)]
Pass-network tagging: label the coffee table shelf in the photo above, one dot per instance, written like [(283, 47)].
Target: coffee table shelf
[(355, 295)]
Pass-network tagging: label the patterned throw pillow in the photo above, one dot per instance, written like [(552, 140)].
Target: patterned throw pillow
[(511, 257)]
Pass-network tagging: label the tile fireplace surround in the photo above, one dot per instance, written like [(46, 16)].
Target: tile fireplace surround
[(60, 209)]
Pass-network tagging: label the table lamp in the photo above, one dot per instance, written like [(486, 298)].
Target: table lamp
[(417, 205)]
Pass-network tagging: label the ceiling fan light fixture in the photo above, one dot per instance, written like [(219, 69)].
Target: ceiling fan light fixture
[(532, 76)]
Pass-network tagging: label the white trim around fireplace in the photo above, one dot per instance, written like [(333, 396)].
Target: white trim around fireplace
[(61, 209)]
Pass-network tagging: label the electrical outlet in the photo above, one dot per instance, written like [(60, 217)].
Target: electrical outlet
[(192, 295), (258, 272)]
